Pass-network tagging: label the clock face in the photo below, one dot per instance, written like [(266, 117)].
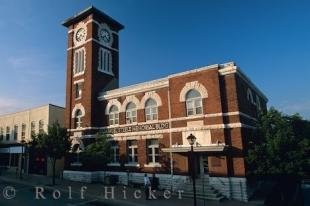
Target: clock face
[(80, 35), (105, 35)]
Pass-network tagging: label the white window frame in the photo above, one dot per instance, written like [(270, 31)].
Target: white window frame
[(79, 61), (191, 105), (78, 119), (131, 152), (131, 114), (78, 90), (151, 112), (116, 154), (105, 61), (153, 154), (114, 116)]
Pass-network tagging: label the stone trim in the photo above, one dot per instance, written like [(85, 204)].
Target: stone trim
[(111, 103), (76, 107), (129, 99), (193, 85), (148, 95)]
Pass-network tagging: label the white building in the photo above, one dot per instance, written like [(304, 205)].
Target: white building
[(20, 126)]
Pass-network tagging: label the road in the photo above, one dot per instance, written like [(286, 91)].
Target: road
[(12, 194)]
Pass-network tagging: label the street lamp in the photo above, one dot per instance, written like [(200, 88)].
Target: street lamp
[(191, 140), (22, 159)]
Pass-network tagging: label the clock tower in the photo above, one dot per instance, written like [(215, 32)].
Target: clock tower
[(92, 67)]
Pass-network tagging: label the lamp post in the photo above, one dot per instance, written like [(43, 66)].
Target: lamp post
[(191, 140)]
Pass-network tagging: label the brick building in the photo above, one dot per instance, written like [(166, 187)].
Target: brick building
[(150, 121)]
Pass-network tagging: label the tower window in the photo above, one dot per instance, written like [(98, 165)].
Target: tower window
[(105, 61), (78, 90), (151, 112), (193, 102), (78, 119), (131, 113), (113, 115), (79, 61)]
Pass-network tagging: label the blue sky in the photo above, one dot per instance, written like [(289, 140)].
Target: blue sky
[(269, 40)]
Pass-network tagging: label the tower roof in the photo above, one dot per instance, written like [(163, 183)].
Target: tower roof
[(77, 17)]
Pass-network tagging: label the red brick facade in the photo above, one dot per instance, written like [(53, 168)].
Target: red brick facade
[(222, 128)]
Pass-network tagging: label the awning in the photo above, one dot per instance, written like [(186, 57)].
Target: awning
[(210, 148)]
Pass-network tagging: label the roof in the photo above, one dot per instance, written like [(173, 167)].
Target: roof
[(77, 17)]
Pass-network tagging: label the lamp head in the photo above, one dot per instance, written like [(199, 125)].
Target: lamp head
[(191, 139)]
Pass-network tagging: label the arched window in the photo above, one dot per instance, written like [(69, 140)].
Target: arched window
[(193, 102), (79, 61), (151, 112), (113, 115), (78, 118), (131, 113), (250, 96)]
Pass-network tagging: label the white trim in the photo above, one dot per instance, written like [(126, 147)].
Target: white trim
[(131, 98), (81, 25), (96, 22), (74, 62), (111, 103), (95, 40), (148, 95), (133, 89), (78, 81), (132, 165), (76, 107), (193, 85), (152, 165)]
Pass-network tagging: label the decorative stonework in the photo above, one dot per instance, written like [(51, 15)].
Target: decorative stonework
[(104, 29), (111, 103), (129, 99), (81, 25), (148, 95), (78, 106), (83, 50), (193, 85)]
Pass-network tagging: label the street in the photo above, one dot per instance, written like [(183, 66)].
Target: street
[(26, 196)]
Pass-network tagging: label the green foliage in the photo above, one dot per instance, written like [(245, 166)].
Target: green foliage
[(281, 146), (55, 143), (97, 154)]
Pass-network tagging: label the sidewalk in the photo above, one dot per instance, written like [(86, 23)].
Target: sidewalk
[(95, 193)]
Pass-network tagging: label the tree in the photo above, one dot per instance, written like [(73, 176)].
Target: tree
[(56, 143), (97, 154), (281, 147)]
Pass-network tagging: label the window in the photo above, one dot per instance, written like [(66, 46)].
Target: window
[(132, 151), (113, 115), (1, 134), (23, 131), (152, 151), (193, 102), (78, 90), (250, 96), (79, 61), (41, 127), (7, 135), (105, 61), (15, 132), (151, 110), (131, 113), (258, 103), (78, 119), (33, 128), (115, 150)]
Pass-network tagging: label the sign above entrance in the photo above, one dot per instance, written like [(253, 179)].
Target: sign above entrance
[(137, 128)]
